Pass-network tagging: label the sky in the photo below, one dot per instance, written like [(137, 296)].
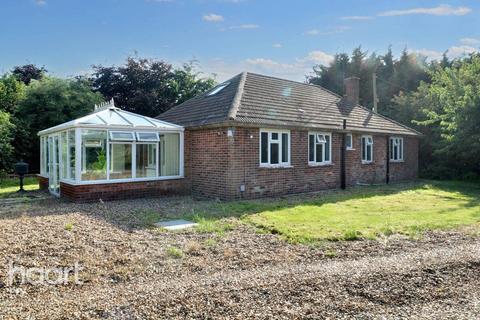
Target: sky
[(279, 38)]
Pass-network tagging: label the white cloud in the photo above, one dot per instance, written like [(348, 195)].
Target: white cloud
[(430, 54), (212, 17), (441, 10), (336, 30), (317, 57), (356, 18), (470, 41), (277, 45), (459, 51), (40, 2)]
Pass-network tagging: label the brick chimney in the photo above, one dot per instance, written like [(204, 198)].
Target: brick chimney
[(352, 90)]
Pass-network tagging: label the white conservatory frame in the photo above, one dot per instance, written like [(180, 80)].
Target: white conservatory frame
[(109, 119)]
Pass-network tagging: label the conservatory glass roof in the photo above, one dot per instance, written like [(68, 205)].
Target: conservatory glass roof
[(108, 116)]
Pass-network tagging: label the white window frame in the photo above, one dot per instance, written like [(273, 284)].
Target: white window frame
[(351, 142), (280, 164), (139, 133), (112, 138), (366, 137), (396, 153), (315, 162)]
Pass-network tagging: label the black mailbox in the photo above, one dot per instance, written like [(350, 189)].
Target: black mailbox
[(21, 168)]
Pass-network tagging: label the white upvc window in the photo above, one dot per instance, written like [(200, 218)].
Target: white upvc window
[(396, 149), (121, 136), (274, 148), (367, 149), (349, 141), (147, 136), (319, 148)]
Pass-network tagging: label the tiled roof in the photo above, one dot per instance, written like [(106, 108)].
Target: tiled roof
[(267, 101)]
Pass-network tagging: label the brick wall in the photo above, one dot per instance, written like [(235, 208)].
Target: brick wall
[(221, 164), (127, 190), (42, 183)]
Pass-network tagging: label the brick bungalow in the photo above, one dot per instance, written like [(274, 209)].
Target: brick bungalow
[(254, 136), (251, 136)]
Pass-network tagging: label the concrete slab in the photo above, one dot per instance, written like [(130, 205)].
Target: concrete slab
[(176, 224)]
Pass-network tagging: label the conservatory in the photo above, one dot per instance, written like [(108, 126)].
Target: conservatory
[(107, 147)]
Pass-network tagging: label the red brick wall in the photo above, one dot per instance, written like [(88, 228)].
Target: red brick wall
[(221, 164), (127, 190), (208, 162), (42, 183)]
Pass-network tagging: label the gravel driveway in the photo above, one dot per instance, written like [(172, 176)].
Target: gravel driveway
[(131, 273)]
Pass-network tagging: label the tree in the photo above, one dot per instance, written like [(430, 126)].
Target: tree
[(450, 109), (147, 86), (28, 72), (6, 137), (11, 92), (49, 102)]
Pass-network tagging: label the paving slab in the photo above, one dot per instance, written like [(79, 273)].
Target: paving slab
[(176, 224)]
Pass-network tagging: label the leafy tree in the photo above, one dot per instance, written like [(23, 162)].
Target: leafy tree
[(450, 109), (28, 72), (6, 137), (11, 92), (147, 86), (49, 102)]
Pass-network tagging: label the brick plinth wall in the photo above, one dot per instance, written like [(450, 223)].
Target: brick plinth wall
[(126, 190), (220, 164), (42, 183)]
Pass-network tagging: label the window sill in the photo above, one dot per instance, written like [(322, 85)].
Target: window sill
[(314, 164), (349, 149), (397, 161), (275, 166), (368, 162)]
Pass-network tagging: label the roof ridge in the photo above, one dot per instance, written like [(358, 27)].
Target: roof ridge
[(232, 113)]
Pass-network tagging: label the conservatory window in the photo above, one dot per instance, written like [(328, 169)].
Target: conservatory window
[(64, 152), (147, 136), (396, 149), (170, 154), (120, 161), (42, 156), (71, 154), (367, 149), (94, 161), (146, 160), (121, 136), (319, 148)]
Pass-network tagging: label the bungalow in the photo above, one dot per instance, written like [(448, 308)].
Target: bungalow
[(251, 136)]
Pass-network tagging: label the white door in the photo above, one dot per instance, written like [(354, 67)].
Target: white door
[(54, 165)]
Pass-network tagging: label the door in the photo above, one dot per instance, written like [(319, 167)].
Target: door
[(54, 165)]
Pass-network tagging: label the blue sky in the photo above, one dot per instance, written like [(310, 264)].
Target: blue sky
[(280, 38)]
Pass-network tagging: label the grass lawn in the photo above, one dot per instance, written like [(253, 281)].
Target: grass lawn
[(364, 212), (9, 187)]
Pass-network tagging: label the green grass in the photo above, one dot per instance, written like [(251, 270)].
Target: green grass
[(9, 187), (372, 211), (174, 252)]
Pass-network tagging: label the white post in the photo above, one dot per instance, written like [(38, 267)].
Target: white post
[(78, 153), (181, 153)]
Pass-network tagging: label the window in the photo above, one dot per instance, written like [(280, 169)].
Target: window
[(349, 141), (169, 154), (94, 160), (120, 161), (43, 170), (146, 157), (147, 136), (367, 149), (319, 148), (71, 154), (121, 136), (64, 151), (274, 148), (219, 88), (396, 149)]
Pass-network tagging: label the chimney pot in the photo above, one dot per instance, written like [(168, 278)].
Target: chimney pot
[(352, 90)]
